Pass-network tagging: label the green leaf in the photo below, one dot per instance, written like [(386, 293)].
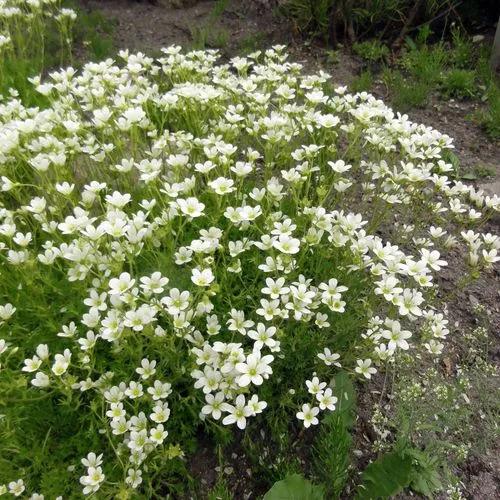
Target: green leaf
[(425, 476), (411, 44), (343, 389), (385, 477), (426, 484), (295, 487), (469, 176)]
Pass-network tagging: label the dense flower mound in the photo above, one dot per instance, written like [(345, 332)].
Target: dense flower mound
[(189, 244)]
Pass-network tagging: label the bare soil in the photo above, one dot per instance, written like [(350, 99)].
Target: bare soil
[(144, 26)]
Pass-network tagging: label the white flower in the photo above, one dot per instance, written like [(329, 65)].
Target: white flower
[(256, 406), (328, 121), (396, 336), (154, 284), (275, 288), (329, 358), (214, 405), (238, 323), (31, 364), (161, 413), (183, 256), (92, 460), (92, 481), (65, 188), (205, 167), (61, 363), (191, 207), (409, 302), (269, 309), (202, 277), (158, 434), (254, 369), (287, 244), (147, 368), (134, 115), (138, 439), (364, 368), (383, 352), (134, 390), (118, 200), (339, 166), (321, 320), (432, 259), (238, 413), (17, 488), (134, 478), (6, 183), (388, 287), (222, 185), (308, 415), (6, 311), (242, 169), (490, 256), (120, 285), (332, 289), (176, 301), (263, 336), (116, 411), (41, 380), (160, 390), (434, 347), (23, 240), (314, 386), (326, 399)]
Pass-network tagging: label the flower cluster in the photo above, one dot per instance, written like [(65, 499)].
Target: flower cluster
[(323, 397), (183, 235), (24, 25)]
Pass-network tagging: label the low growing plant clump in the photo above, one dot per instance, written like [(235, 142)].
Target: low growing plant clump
[(190, 246)]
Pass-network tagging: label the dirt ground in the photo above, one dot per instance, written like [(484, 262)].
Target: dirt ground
[(144, 26), (148, 26)]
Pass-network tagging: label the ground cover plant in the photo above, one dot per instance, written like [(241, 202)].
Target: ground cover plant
[(192, 247)]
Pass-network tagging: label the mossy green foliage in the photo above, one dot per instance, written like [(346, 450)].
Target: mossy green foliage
[(371, 50), (333, 444)]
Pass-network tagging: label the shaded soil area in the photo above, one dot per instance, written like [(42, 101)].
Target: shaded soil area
[(242, 28), (146, 26)]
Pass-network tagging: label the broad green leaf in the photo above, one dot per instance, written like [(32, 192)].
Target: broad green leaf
[(295, 487), (385, 477), (343, 389), (425, 477), (426, 484), (469, 176)]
